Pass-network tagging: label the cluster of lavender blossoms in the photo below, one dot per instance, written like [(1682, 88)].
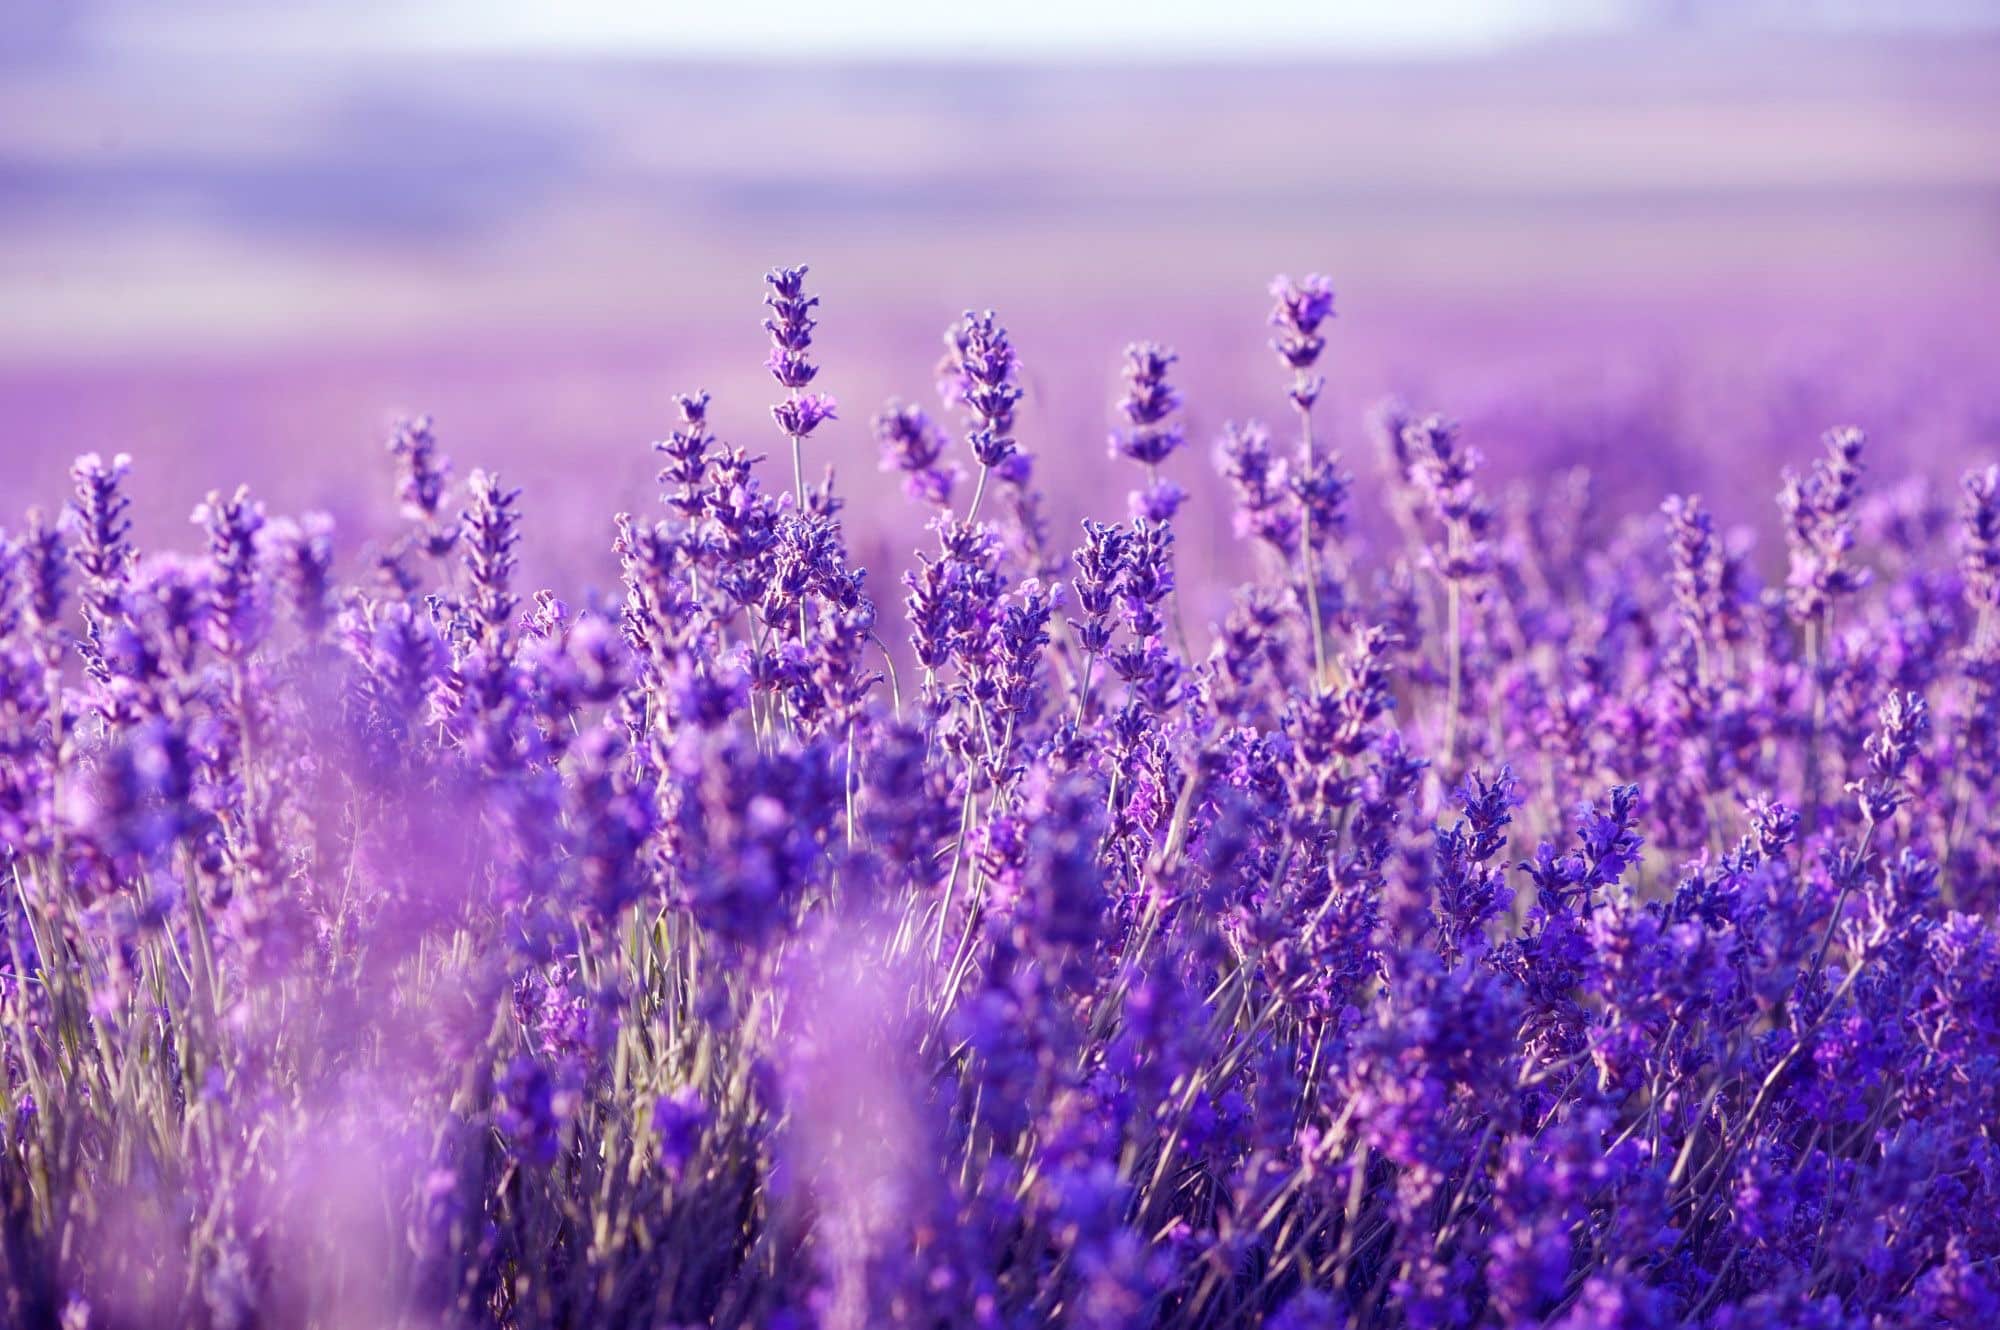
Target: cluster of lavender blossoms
[(1469, 929)]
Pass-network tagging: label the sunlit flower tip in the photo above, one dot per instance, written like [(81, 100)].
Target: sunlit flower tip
[(693, 407)]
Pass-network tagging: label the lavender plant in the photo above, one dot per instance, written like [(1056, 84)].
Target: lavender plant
[(419, 949)]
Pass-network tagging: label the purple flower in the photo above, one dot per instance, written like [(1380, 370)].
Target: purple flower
[(103, 551), (301, 552), (239, 605), (491, 526), (978, 373), (426, 473), (803, 414), (1150, 435), (1819, 526), (1300, 310), (1980, 515), (679, 1120), (790, 325), (1469, 893), (1905, 721), (689, 453), (913, 445), (1444, 468), (639, 958), (525, 1111)]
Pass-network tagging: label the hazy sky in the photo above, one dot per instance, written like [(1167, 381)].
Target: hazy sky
[(804, 29), (851, 26)]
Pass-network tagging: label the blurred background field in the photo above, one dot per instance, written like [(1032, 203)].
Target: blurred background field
[(236, 245)]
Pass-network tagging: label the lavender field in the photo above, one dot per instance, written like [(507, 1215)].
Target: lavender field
[(1462, 793)]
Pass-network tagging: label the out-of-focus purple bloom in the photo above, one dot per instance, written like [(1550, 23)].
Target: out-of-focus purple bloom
[(525, 1111), (1444, 468), (1157, 502), (1697, 573), (1262, 484), (914, 445), (46, 560), (302, 552), (679, 1119), (1980, 514), (1819, 510), (426, 472)]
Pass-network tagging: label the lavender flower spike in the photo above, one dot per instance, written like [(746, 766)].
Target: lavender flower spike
[(791, 325), (978, 373)]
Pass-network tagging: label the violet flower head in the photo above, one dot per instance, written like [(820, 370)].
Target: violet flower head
[(103, 550), (1261, 480), (402, 657), (687, 451), (801, 415), (679, 1119), (1151, 435), (790, 325), (1470, 892), (238, 611), (1979, 514), (978, 373), (1387, 421), (525, 1111), (1338, 722), (491, 524), (914, 445), (1697, 572), (1147, 577), (301, 553), (1300, 310), (426, 472), (141, 800), (1100, 567), (1819, 510), (13, 588), (1442, 465), (1156, 502), (46, 557), (1444, 468), (1322, 487), (1905, 722), (1774, 826), (1607, 844)]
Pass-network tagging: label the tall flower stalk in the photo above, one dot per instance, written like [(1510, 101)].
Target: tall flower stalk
[(1300, 310), (979, 373), (1819, 511), (790, 325), (1444, 469)]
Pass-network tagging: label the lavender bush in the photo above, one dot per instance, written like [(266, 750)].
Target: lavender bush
[(1473, 928)]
